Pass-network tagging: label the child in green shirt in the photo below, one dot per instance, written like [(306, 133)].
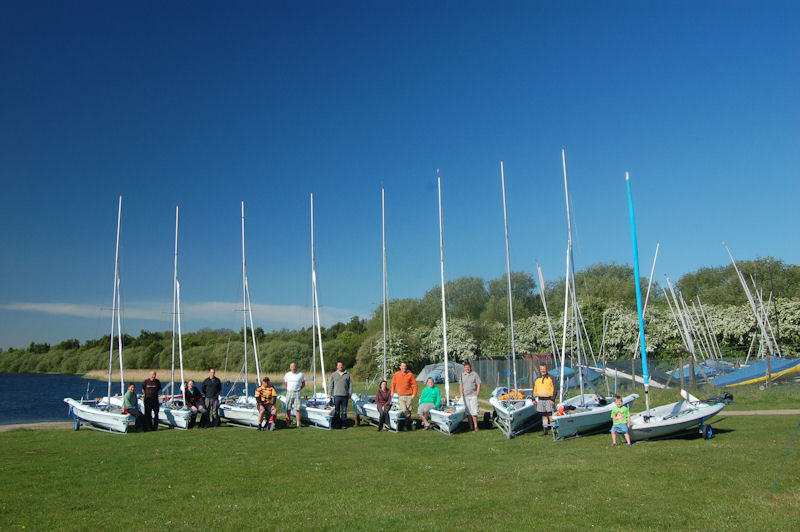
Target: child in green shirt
[(621, 422)]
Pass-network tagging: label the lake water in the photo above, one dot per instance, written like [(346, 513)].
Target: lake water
[(35, 397), (29, 397)]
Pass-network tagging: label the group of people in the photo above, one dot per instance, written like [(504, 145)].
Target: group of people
[(404, 384), (204, 402)]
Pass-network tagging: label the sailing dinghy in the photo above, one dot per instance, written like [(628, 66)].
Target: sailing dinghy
[(675, 419), (107, 414), (243, 410), (672, 419), (446, 418), (174, 413), (514, 411), (364, 405), (315, 410)]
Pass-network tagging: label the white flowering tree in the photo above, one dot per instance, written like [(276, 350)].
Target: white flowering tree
[(461, 344)]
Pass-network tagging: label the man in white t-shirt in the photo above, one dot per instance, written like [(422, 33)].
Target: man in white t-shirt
[(294, 381)]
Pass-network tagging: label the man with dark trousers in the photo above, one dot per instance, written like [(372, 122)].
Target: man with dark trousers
[(151, 388), (212, 387), (340, 386), (194, 402)]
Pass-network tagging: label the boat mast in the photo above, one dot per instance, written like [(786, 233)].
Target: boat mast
[(553, 345), (244, 307), (316, 311), (119, 340), (567, 278), (750, 300), (383, 247), (114, 306), (180, 342), (640, 310), (444, 312), (253, 335), (508, 274), (647, 297), (313, 304), (174, 310)]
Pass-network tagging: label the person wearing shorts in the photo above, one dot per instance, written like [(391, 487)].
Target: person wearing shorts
[(294, 381), (544, 396), (469, 386), (405, 386), (429, 399), (621, 422)]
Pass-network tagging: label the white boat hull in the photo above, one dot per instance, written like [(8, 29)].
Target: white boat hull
[(514, 417), (240, 414), (174, 416), (448, 420), (365, 407), (672, 419), (109, 418), (320, 416), (591, 417)]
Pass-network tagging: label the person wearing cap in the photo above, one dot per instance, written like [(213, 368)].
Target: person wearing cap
[(265, 399)]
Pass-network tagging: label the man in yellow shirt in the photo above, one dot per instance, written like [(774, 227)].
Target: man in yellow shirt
[(544, 396)]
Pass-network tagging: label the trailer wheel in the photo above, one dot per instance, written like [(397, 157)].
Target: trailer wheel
[(487, 419), (708, 432)]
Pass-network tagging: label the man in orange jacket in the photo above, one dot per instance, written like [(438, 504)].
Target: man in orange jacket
[(404, 384)]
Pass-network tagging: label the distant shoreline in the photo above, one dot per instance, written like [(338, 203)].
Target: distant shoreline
[(39, 425), (139, 375)]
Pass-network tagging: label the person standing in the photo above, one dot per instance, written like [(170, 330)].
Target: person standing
[(340, 385), (469, 386), (212, 387), (621, 421), (151, 388), (383, 398), (294, 381), (130, 406), (265, 399), (405, 386), (194, 402), (544, 396)]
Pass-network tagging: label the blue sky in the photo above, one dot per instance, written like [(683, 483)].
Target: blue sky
[(204, 105)]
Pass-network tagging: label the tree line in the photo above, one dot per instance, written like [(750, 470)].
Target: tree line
[(477, 325)]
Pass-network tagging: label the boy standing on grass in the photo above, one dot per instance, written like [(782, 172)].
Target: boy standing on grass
[(621, 421)]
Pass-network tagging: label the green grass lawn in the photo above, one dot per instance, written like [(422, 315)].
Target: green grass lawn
[(233, 478)]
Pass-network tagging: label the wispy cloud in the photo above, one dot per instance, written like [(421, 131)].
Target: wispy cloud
[(80, 310), (207, 312)]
